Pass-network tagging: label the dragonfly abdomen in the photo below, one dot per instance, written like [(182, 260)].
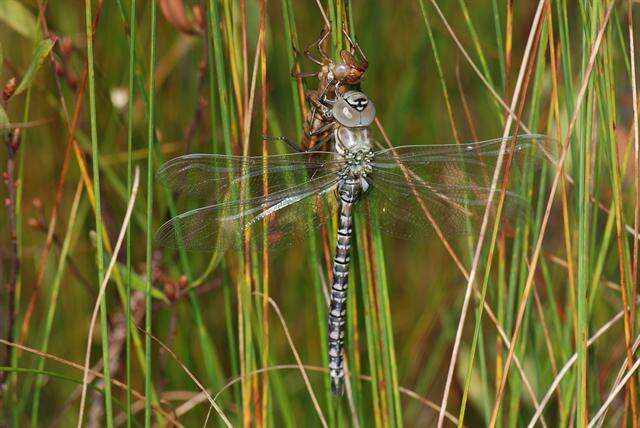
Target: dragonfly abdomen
[(348, 193)]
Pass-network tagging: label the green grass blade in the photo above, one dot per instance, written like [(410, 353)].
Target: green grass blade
[(55, 291), (129, 256), (151, 129), (104, 331)]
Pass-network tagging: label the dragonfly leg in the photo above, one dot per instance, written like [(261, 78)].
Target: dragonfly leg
[(320, 130), (296, 63), (318, 44), (295, 147), (286, 140), (303, 74), (326, 31), (356, 49)]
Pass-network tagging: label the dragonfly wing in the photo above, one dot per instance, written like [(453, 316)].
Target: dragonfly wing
[(410, 209), (445, 188), (221, 225), (213, 175), (476, 158)]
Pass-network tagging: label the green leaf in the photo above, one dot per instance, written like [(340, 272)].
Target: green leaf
[(4, 123), (18, 17), (41, 52)]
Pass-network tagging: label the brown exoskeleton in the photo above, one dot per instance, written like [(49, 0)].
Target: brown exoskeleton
[(334, 78)]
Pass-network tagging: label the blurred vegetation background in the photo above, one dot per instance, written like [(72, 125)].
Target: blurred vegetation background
[(551, 329)]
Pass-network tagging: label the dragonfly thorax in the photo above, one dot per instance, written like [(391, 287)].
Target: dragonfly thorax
[(357, 164), (354, 147), (352, 139)]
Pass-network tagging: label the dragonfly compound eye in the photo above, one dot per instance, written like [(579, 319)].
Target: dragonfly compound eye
[(354, 109), (359, 101)]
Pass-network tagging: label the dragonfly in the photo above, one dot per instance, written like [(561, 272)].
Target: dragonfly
[(414, 190)]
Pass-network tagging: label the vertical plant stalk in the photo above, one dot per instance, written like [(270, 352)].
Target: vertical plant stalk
[(95, 154), (13, 380), (499, 42), (264, 108), (457, 140), (297, 88), (326, 20), (103, 288), (492, 316), (149, 256), (12, 140), (477, 71), (473, 129), (369, 317), (623, 253), (636, 145), (566, 223), (583, 162), (636, 208), (244, 285), (18, 212), (485, 219), (71, 143), (299, 364), (53, 219), (443, 84), (245, 54), (42, 9), (53, 302), (537, 249), (82, 165), (379, 268), (556, 119), (217, 60), (478, 48), (84, 170), (233, 47), (318, 250), (130, 106), (508, 46), (211, 361), (528, 66)]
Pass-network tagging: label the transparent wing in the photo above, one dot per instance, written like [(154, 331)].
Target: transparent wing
[(213, 175), (425, 211), (477, 157), (445, 188), (288, 213)]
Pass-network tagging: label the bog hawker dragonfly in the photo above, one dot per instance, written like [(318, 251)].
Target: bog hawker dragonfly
[(413, 189)]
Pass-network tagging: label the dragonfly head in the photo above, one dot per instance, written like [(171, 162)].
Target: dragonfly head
[(354, 109)]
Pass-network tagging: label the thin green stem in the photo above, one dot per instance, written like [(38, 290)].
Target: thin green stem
[(53, 302), (95, 154), (149, 259), (130, 107)]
